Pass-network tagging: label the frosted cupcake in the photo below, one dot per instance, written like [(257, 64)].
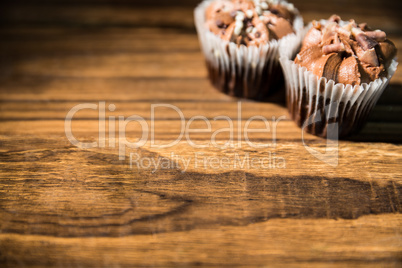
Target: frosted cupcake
[(241, 41), (337, 77)]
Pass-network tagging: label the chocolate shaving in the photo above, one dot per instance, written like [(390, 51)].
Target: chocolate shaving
[(316, 24), (377, 35), (365, 42), (364, 27), (337, 47), (336, 39), (343, 31), (335, 18), (353, 23)]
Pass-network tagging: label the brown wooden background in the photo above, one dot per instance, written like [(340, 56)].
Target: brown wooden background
[(63, 206)]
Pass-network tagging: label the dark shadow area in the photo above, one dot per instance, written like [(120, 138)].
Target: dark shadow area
[(385, 121)]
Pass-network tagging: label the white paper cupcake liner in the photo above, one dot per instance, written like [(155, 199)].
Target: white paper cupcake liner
[(325, 108), (250, 72)]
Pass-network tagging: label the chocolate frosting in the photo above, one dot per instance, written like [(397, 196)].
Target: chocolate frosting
[(250, 22), (349, 54)]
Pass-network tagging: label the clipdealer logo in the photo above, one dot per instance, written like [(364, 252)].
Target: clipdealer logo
[(330, 155), (116, 136)]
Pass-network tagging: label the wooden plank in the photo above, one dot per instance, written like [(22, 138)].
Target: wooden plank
[(58, 41), (171, 129), (281, 242), (17, 110), (172, 65), (118, 89), (57, 110)]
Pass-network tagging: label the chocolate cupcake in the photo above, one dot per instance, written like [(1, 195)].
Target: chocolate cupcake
[(241, 41), (337, 77)]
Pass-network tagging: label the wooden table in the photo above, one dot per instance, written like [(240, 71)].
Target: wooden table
[(66, 206)]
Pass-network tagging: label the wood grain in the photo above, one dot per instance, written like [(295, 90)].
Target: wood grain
[(66, 206), (132, 201)]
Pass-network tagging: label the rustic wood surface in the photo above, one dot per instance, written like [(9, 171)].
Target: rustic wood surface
[(65, 206)]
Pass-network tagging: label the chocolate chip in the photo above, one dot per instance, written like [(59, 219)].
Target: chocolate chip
[(370, 57), (257, 35)]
